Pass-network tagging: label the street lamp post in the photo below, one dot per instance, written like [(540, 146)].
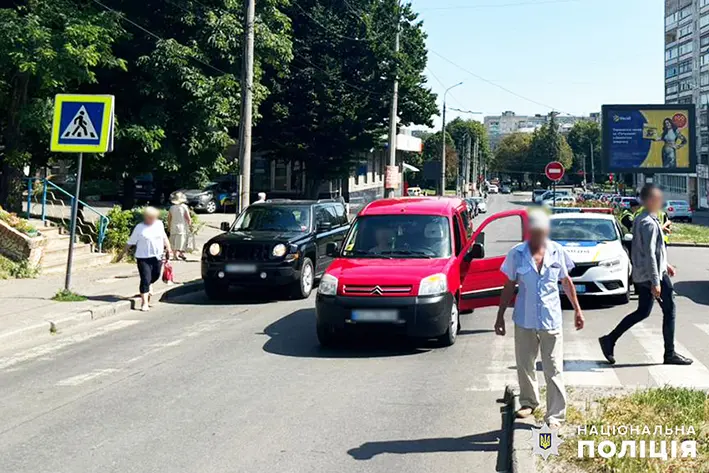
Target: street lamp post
[(443, 140)]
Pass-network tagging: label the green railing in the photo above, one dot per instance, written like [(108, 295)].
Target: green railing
[(54, 207)]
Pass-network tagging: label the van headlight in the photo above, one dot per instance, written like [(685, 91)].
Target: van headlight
[(610, 263), (215, 249), (279, 250), (433, 285), (328, 285)]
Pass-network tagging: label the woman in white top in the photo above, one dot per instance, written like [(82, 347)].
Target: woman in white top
[(150, 242), (179, 221)]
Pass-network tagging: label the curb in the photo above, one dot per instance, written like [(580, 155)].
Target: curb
[(521, 457), (109, 309), (689, 245)]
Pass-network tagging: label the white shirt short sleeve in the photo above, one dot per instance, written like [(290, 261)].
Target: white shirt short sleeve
[(149, 240)]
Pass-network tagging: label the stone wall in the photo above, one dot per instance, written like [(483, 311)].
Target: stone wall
[(18, 246)]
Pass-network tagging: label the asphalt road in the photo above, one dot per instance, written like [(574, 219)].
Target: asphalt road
[(243, 386)]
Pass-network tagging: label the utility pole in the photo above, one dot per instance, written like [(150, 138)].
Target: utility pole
[(443, 141), (476, 163), (247, 86), (593, 167), (394, 99)]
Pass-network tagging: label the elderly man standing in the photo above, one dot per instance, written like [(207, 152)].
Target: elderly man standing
[(537, 266)]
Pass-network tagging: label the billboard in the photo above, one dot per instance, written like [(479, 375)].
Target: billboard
[(649, 138)]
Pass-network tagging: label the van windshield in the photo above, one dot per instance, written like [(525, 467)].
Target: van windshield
[(399, 236)]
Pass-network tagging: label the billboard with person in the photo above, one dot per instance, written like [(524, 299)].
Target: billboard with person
[(649, 138)]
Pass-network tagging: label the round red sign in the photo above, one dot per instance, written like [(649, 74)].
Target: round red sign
[(554, 171)]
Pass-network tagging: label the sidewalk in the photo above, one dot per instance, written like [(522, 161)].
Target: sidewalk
[(28, 308)]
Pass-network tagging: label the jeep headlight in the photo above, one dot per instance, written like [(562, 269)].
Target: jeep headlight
[(279, 250), (433, 285), (328, 285), (610, 263), (215, 249)]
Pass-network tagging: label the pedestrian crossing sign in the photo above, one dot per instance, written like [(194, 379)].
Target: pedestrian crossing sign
[(82, 124)]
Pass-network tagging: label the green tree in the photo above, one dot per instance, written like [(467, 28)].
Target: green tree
[(512, 153), (582, 136), (333, 104), (459, 128), (46, 47), (548, 145), (432, 152)]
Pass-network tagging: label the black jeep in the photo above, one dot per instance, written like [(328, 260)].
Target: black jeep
[(274, 244)]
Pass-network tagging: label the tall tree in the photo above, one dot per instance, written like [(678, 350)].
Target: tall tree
[(512, 153), (333, 105), (46, 47), (548, 145), (459, 128), (582, 137)]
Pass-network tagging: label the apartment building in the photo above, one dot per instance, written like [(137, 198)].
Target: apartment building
[(498, 126), (687, 81)]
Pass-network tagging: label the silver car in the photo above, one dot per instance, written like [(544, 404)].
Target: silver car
[(679, 210)]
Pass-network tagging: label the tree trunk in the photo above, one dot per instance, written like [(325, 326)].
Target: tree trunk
[(11, 164)]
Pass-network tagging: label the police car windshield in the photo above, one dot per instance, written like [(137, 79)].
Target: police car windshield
[(264, 217), (583, 229), (399, 236)]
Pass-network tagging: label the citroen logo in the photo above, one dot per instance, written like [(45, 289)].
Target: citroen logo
[(377, 291)]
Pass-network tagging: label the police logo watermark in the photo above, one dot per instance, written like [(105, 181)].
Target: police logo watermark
[(545, 442)]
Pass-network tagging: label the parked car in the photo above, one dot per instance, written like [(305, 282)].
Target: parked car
[(276, 245), (216, 195), (627, 202), (493, 189), (563, 199), (414, 191), (537, 195), (411, 266), (595, 243), (679, 210), (480, 204), (506, 190)]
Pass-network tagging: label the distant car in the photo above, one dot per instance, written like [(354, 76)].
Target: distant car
[(595, 244), (414, 191), (679, 210), (212, 197), (537, 195), (627, 202), (506, 190), (493, 189), (560, 200), (480, 204)]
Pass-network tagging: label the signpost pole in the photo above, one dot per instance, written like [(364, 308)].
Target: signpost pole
[(553, 187), (72, 227)]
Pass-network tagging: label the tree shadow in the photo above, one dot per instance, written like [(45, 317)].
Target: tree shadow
[(696, 291), (484, 442), (294, 335)]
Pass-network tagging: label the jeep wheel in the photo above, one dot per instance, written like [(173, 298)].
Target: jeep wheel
[(304, 285)]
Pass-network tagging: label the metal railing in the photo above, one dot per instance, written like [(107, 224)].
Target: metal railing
[(93, 232)]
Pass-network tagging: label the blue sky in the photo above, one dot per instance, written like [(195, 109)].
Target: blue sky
[(573, 55)]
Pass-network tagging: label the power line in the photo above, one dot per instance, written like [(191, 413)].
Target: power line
[(150, 33), (479, 77), (433, 74), (500, 5)]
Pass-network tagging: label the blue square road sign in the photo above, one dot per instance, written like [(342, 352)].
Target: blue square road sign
[(82, 124)]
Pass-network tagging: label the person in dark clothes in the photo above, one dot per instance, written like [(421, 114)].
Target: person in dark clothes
[(651, 275)]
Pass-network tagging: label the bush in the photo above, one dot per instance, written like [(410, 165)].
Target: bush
[(19, 224), (19, 270), (123, 222)]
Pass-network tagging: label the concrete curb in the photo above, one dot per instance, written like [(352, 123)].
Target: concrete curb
[(521, 457), (690, 245), (109, 309)]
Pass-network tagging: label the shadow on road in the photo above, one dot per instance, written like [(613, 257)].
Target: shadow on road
[(233, 297), (484, 442), (590, 366), (697, 291), (294, 335)]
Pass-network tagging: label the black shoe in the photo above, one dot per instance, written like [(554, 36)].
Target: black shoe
[(607, 346), (677, 359)]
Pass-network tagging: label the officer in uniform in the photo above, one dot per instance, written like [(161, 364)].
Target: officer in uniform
[(628, 215)]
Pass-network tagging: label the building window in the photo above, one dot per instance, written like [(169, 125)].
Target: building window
[(685, 85), (704, 59), (280, 176), (684, 13), (672, 183), (704, 20), (704, 78), (685, 66), (671, 53), (671, 89), (704, 40), (704, 99), (685, 100), (671, 72), (685, 48), (685, 30), (261, 175), (704, 3)]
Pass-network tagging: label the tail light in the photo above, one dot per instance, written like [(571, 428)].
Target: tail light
[(670, 209)]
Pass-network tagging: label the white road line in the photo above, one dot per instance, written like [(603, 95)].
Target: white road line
[(82, 378), (695, 375), (45, 351), (703, 327), (499, 373), (582, 366)]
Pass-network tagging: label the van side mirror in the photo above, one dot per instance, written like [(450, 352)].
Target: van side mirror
[(332, 250), (324, 226), (225, 226), (476, 251), (628, 237)]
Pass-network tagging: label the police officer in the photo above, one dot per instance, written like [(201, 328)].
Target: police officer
[(628, 215)]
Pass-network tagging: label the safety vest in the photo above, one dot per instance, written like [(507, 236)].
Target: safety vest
[(661, 217), (627, 213)]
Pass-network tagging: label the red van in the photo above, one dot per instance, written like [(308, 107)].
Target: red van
[(413, 264)]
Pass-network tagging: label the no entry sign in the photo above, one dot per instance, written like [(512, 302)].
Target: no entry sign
[(554, 171)]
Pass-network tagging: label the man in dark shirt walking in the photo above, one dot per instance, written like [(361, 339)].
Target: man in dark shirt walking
[(651, 275)]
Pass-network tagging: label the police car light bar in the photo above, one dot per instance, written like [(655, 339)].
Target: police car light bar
[(594, 210)]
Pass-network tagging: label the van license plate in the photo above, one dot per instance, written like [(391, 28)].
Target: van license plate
[(240, 268), (375, 315)]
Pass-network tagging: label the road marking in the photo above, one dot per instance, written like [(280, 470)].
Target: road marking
[(581, 366), (44, 351), (82, 378), (695, 375), (703, 327), (499, 373), (155, 348)]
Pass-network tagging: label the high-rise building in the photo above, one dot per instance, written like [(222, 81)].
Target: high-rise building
[(687, 81), (498, 126)]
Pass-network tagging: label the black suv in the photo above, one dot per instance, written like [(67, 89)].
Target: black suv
[(276, 243)]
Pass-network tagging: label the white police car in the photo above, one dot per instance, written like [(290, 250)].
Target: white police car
[(594, 241)]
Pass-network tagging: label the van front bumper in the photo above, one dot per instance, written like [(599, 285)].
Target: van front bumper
[(426, 316)]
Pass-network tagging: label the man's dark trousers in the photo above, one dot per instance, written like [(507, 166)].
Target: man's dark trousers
[(645, 303)]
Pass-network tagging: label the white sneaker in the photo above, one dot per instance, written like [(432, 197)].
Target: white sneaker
[(145, 308)]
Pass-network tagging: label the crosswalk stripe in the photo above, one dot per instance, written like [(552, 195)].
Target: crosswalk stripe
[(695, 375), (582, 366), (703, 327), (498, 373)]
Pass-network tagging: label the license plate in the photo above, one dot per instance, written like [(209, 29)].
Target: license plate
[(240, 268), (580, 288), (375, 315)]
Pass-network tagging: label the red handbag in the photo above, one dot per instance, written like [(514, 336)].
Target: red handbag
[(167, 273)]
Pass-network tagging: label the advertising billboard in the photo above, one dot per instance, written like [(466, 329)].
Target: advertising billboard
[(649, 138)]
